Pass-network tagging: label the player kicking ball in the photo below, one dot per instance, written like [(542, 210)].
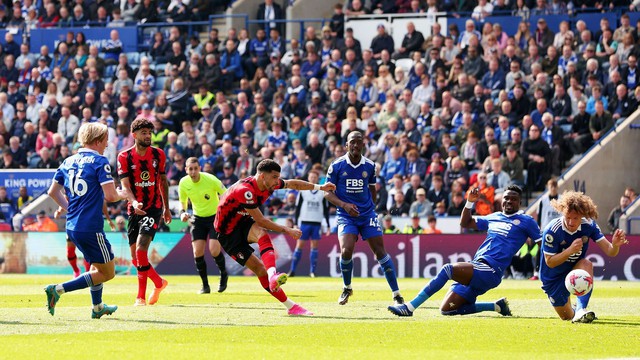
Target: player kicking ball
[(203, 190), (506, 231), (80, 186), (355, 196), (239, 222), (565, 242)]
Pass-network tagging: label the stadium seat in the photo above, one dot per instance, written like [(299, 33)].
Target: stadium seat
[(134, 58), (33, 161), (404, 64), (109, 71), (160, 82)]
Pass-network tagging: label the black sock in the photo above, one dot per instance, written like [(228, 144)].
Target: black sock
[(220, 262), (201, 266)]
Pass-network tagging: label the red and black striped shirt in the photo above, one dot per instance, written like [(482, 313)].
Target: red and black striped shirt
[(144, 174), (245, 194)]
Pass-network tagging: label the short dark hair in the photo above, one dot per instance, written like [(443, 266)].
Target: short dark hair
[(515, 188), (268, 165), (141, 123)]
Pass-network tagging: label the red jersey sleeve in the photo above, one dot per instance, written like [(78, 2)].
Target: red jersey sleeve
[(245, 196), (123, 166), (163, 162)]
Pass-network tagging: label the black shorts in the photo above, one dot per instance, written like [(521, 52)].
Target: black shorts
[(202, 228), (236, 243), (143, 224)]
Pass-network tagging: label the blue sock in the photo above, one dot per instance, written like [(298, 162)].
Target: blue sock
[(313, 258), (389, 272), (467, 309), (583, 301), (96, 294), (433, 286), (81, 282), (297, 255), (346, 266)]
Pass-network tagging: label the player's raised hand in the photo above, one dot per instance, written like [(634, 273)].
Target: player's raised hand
[(474, 195), (619, 238), (352, 209), (294, 233), (137, 208), (576, 246), (328, 187), (184, 217), (166, 214)]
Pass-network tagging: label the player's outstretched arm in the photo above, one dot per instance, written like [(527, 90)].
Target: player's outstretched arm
[(56, 192), (305, 185), (128, 195), (265, 223), (466, 220), (613, 248)]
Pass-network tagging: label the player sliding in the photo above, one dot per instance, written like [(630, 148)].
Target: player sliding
[(565, 244), (141, 169), (507, 231), (239, 222), (85, 180), (355, 196), (203, 190)]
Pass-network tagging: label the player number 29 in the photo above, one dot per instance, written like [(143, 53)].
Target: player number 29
[(77, 185), (147, 221)]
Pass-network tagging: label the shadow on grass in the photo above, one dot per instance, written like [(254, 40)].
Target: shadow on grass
[(164, 322), (18, 323), (225, 306)]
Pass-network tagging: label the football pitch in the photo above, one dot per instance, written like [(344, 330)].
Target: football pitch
[(245, 322)]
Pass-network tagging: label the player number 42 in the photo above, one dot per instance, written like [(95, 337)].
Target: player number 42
[(373, 222), (77, 185)]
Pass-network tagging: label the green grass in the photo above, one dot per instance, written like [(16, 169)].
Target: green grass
[(247, 323)]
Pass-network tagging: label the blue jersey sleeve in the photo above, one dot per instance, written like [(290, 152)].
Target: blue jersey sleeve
[(550, 242), (103, 170), (482, 223), (596, 233), (59, 175), (372, 175), (332, 173), (533, 230)]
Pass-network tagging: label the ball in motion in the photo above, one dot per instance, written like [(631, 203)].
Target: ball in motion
[(578, 282)]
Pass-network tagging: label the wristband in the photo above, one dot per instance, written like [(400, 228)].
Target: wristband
[(469, 205), (316, 187)]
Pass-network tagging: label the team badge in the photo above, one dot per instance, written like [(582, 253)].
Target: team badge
[(248, 195), (330, 170), (516, 222), (155, 163), (365, 174), (240, 256), (585, 239), (145, 176), (548, 239), (107, 168)]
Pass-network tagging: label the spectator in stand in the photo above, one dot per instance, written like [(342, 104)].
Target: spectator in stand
[(484, 205), (614, 216), (553, 135), (387, 225), (269, 11), (382, 41), (396, 164), (499, 180), (411, 42), (456, 172), (457, 204), (230, 64), (399, 207), (622, 105), (601, 121), (536, 155), (421, 206), (46, 162), (42, 224), (50, 18)]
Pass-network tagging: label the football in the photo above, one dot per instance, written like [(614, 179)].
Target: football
[(578, 282)]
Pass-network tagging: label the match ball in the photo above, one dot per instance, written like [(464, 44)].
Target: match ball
[(578, 282)]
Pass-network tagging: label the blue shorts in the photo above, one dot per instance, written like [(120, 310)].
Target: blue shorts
[(310, 231), (556, 290), (366, 225), (484, 278), (94, 246)]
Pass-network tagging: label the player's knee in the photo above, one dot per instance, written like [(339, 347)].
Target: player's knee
[(346, 253)]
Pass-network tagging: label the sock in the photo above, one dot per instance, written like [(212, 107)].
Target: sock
[(467, 309), (264, 281), (143, 261), (346, 266), (143, 272), (433, 286), (73, 260), (288, 303), (280, 295), (389, 272), (267, 254), (221, 263), (81, 282), (313, 259), (87, 265), (297, 255), (96, 296), (201, 266), (583, 301)]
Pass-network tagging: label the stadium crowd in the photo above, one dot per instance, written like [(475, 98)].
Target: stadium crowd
[(471, 107)]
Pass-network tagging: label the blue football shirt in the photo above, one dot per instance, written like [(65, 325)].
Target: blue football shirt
[(352, 183), (82, 176), (505, 236), (556, 238)]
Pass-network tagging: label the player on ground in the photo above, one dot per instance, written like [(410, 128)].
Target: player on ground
[(203, 190), (507, 231), (239, 222), (85, 180), (71, 247), (565, 244), (142, 173), (355, 197), (311, 208)]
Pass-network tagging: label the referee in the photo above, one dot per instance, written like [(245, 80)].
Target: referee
[(203, 190)]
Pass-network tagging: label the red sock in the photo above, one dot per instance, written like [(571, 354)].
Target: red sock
[(87, 266), (143, 270), (267, 253), (153, 275), (280, 295), (73, 260)]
